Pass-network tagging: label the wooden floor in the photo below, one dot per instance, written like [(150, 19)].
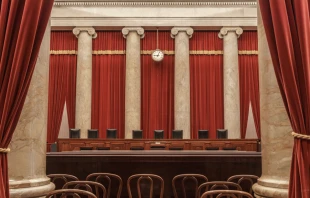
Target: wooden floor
[(216, 165)]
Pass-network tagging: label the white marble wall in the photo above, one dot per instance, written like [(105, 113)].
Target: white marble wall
[(84, 78), (133, 79), (182, 79), (231, 81), (27, 159), (277, 143)]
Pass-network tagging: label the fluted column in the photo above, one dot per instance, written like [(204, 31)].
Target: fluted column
[(83, 78), (231, 81), (133, 79), (27, 159), (276, 140), (182, 80)]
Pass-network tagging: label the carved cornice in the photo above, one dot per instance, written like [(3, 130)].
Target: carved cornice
[(139, 30), (90, 30), (224, 30), (189, 31), (148, 4)]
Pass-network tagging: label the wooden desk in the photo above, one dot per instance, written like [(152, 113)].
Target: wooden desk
[(185, 144), (216, 165)]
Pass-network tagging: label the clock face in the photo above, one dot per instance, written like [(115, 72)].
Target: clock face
[(157, 55)]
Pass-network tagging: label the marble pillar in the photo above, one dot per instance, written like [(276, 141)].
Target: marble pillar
[(182, 79), (27, 159), (276, 140), (84, 78), (133, 79), (230, 36)]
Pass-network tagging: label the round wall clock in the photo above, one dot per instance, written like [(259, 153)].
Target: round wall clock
[(157, 55)]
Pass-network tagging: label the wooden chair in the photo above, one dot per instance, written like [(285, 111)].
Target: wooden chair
[(197, 178), (64, 179), (218, 185), (148, 177), (245, 181), (88, 186), (75, 193), (97, 177), (226, 194)]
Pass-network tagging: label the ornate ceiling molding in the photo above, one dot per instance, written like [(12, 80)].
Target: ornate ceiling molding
[(181, 4)]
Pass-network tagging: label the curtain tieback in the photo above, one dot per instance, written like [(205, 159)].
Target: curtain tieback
[(4, 150), (301, 136)]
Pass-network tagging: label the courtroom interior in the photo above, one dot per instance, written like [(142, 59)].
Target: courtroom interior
[(160, 98)]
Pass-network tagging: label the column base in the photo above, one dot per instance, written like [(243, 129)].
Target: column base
[(32, 192), (269, 192)]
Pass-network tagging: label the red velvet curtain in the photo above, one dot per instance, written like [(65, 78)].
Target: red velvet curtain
[(206, 84), (288, 33), (108, 83), (22, 26), (248, 80), (62, 82), (157, 85)]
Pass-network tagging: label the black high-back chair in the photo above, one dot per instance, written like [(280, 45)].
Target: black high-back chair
[(221, 133), (74, 133), (177, 134), (111, 133), (92, 133), (158, 134), (137, 134), (203, 134)]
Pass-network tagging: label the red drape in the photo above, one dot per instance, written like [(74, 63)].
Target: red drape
[(108, 83), (157, 85), (288, 33), (248, 80), (206, 84), (22, 26), (62, 82)]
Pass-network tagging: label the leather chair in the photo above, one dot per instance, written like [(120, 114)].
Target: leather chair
[(111, 133), (177, 134), (74, 133), (158, 134), (203, 134), (221, 133), (93, 133), (137, 134)]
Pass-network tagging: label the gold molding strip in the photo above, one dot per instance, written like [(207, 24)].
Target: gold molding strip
[(149, 52), (248, 52), (108, 52), (63, 52), (206, 52)]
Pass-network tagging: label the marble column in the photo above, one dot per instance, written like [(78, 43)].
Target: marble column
[(182, 79), (133, 79), (83, 78), (231, 81), (276, 140), (27, 159)]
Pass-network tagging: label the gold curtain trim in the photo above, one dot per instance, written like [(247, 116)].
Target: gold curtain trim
[(63, 52), (108, 52), (166, 52), (301, 136), (248, 52), (5, 150), (206, 52)]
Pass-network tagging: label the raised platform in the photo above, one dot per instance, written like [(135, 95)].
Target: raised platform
[(216, 165), (165, 144)]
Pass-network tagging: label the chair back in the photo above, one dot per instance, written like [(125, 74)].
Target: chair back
[(75, 193), (196, 178), (226, 194), (61, 179), (148, 177), (97, 177), (88, 186), (245, 181), (217, 185)]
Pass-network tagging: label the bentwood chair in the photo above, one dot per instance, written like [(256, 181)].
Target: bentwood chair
[(109, 179), (226, 194), (75, 193), (245, 181), (141, 181), (217, 185), (61, 179), (88, 186), (184, 179)]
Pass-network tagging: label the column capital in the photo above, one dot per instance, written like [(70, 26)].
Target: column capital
[(224, 31), (139, 30), (175, 30), (90, 30)]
